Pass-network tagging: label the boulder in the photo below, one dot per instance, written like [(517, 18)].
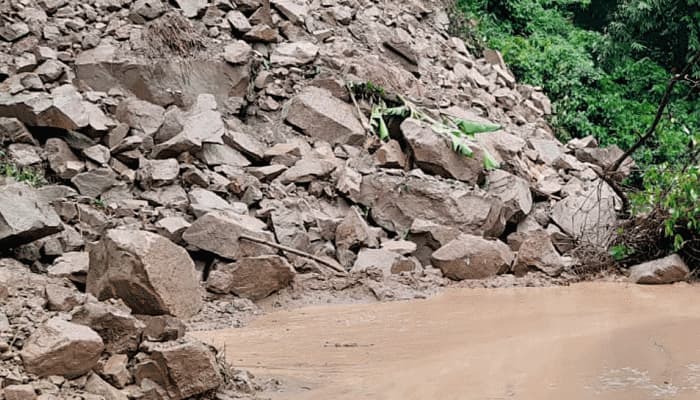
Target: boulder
[(664, 270), (257, 277), (114, 370), (151, 274), (59, 347), (388, 262), (432, 154), (536, 251), (162, 328), (390, 155), (396, 201), (184, 369), (548, 150), (61, 298), (588, 215), (120, 331), (203, 201), (19, 392), (319, 114), (238, 52), (161, 82), (140, 114), (306, 170), (214, 154), (219, 232), (294, 54), (238, 22), (97, 386), (24, 216), (473, 257), (295, 11), (192, 8), (154, 173), (513, 191), (62, 160), (63, 108), (95, 182), (605, 158)]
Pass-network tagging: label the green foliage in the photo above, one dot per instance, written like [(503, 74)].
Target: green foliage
[(29, 175), (599, 86), (620, 252)]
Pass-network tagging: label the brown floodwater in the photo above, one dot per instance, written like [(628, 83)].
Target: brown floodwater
[(586, 341)]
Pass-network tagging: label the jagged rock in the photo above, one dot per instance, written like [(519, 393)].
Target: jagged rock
[(238, 52), (98, 153), (588, 215), (14, 131), (219, 232), (104, 68), (257, 277), (537, 251), (214, 154), (120, 331), (294, 54), (582, 143), (605, 158), (148, 272), (390, 155), (63, 348), (548, 150), (433, 155), (294, 11), (386, 261), (154, 173), (203, 201), (162, 328), (192, 8), (403, 247), (24, 216), (307, 170), (114, 370), (261, 33), (396, 201), (95, 182), (169, 196), (184, 369), (61, 298), (664, 270), (142, 115), (473, 257), (19, 392), (62, 160), (246, 144), (239, 23), (23, 155), (320, 115), (513, 191), (202, 124), (63, 108), (147, 9), (97, 386), (11, 32), (51, 70), (172, 227)]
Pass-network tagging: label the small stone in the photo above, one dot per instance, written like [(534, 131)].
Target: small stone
[(669, 269), (294, 54), (238, 52)]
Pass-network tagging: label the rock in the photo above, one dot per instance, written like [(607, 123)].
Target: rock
[(203, 201), (589, 215), (59, 347), (62, 160), (187, 369), (162, 328), (664, 270), (95, 182), (473, 257), (388, 262), (24, 216), (294, 11), (120, 331), (294, 54), (537, 251), (403, 247), (238, 52), (23, 155), (261, 33), (11, 32), (104, 68), (214, 154), (98, 153), (605, 158), (246, 144), (320, 115), (63, 108), (155, 173), (147, 9), (239, 23), (390, 155), (307, 170), (433, 154), (192, 8), (97, 386), (395, 202), (19, 392), (513, 191), (257, 277), (14, 131), (351, 234), (61, 298), (148, 272), (219, 232), (548, 150), (51, 70), (114, 370), (172, 227), (141, 115)]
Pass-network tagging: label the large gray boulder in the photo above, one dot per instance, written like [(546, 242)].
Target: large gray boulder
[(256, 277), (24, 216), (432, 154), (63, 348), (320, 115), (151, 274), (664, 270), (537, 252), (513, 191), (589, 215), (473, 257), (396, 201)]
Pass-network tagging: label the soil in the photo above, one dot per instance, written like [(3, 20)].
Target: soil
[(594, 340)]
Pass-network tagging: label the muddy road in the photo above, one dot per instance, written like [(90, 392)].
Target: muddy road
[(586, 341)]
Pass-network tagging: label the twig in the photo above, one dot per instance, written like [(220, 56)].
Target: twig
[(357, 107), (319, 260)]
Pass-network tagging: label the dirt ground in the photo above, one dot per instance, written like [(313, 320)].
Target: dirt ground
[(596, 340)]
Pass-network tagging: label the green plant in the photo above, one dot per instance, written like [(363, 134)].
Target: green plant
[(22, 174)]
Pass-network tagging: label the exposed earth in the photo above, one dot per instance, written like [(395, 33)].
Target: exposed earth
[(594, 340)]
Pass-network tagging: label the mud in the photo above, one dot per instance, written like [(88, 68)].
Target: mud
[(586, 341)]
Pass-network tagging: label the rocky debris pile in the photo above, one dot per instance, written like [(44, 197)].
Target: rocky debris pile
[(205, 154)]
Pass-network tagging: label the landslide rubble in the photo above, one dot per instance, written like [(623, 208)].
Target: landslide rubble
[(191, 164)]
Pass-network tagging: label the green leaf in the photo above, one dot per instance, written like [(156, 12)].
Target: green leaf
[(461, 147), (383, 130), (489, 162), (470, 128)]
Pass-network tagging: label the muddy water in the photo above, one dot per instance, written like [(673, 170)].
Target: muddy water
[(587, 341)]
